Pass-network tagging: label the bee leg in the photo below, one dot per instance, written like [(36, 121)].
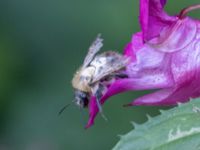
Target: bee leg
[(120, 75), (98, 94)]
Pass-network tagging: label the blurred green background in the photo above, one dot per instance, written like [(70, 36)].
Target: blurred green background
[(42, 43)]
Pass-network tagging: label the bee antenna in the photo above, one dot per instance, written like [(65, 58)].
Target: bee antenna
[(62, 109)]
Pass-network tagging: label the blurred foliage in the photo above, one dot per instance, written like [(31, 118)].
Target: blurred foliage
[(42, 43)]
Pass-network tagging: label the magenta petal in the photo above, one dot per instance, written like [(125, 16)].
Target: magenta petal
[(93, 110), (135, 45), (187, 88), (167, 97), (168, 60), (160, 97), (126, 85), (157, 98), (163, 2), (152, 18), (171, 38)]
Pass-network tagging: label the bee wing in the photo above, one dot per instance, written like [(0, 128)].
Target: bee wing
[(93, 49), (114, 62)]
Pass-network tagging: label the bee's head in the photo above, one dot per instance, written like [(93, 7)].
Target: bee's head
[(81, 98)]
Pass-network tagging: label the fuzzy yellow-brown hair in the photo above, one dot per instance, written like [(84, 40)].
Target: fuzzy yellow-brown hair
[(79, 83)]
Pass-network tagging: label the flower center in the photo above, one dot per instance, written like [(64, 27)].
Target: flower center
[(186, 10)]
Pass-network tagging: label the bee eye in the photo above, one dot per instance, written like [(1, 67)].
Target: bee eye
[(81, 98), (85, 102)]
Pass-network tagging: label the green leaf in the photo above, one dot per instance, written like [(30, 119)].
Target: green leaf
[(177, 128)]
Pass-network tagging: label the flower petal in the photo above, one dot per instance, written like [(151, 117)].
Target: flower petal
[(135, 45), (167, 61), (93, 110), (176, 36), (187, 87), (157, 98), (146, 82), (152, 18)]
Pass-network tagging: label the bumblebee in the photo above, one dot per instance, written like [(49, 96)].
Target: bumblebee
[(96, 73)]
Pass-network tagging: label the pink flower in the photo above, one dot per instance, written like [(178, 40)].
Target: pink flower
[(165, 56)]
